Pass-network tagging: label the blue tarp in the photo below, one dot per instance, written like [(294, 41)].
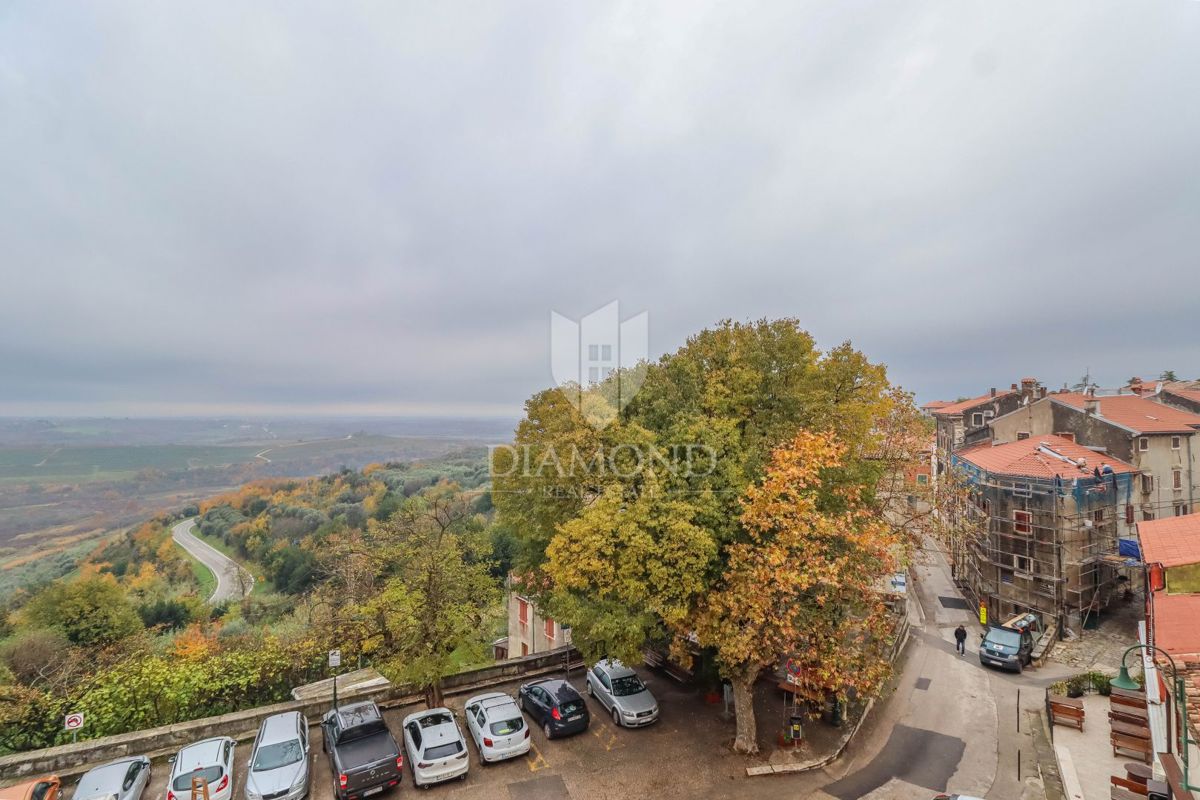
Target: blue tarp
[(1129, 548)]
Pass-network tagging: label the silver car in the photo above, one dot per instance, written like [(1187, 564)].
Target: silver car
[(118, 780), (436, 749), (619, 689), (278, 768), (496, 725)]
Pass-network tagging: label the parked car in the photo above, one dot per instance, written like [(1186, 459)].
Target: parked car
[(47, 787), (555, 705), (436, 749), (125, 779), (278, 768), (496, 725), (212, 760), (364, 757), (622, 693)]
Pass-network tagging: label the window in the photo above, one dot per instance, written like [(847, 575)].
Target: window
[(524, 649), (1021, 563), (1006, 576), (523, 611), (1129, 514), (1147, 516), (593, 352), (593, 374), (1023, 521), (549, 629), (1098, 516), (606, 352), (1177, 479), (976, 419), (1181, 510), (1144, 443), (1176, 442), (1147, 484), (1022, 435), (922, 478)]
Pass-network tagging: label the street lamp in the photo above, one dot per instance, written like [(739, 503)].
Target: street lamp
[(1124, 681)]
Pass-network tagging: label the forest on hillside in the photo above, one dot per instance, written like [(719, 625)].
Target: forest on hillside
[(129, 640)]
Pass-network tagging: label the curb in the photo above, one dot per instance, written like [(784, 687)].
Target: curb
[(809, 766)]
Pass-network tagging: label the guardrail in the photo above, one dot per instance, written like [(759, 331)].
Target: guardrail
[(72, 759)]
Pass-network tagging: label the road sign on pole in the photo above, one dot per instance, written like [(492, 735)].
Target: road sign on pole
[(335, 659), (73, 722)]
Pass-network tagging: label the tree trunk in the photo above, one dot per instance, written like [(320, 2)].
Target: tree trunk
[(743, 707), (433, 695)]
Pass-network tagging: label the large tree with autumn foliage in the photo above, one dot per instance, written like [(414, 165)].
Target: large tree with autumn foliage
[(804, 584), (632, 557)]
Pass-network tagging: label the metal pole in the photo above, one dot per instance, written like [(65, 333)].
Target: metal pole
[(335, 705)]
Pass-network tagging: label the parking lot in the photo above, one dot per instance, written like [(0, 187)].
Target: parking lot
[(685, 754)]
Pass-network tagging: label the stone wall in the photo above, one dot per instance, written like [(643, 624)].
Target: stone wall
[(73, 759)]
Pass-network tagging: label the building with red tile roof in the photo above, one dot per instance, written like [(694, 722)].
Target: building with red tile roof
[(1171, 542), (1184, 395), (1053, 527), (1133, 412), (1042, 457)]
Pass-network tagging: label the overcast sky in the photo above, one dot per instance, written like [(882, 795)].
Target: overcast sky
[(269, 207)]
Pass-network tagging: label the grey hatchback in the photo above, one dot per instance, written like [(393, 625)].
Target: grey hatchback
[(278, 768), (622, 693)]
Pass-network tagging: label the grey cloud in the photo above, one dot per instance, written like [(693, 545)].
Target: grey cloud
[(379, 204)]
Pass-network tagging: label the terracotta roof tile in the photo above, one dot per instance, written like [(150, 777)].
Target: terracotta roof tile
[(1036, 458), (1171, 541), (1188, 389), (1139, 414), (1175, 628), (951, 409)]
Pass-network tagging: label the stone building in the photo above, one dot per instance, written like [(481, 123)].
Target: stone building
[(1050, 541), (1160, 442)]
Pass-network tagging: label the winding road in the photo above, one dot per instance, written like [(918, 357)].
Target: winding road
[(226, 570)]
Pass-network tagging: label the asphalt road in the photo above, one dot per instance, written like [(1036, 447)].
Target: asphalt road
[(229, 587)]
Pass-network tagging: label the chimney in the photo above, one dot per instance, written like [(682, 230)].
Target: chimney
[(1136, 386), (1090, 404), (1043, 392), (1029, 390), (993, 391), (1014, 387)]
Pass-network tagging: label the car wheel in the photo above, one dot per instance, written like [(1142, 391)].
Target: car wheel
[(546, 730), (616, 717), (589, 689), (521, 702)]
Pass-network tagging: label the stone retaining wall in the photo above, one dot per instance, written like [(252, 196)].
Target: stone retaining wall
[(72, 759)]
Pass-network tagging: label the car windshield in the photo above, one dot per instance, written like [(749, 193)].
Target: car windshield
[(1005, 637), (630, 684), (569, 707), (443, 750), (436, 719), (274, 756), (507, 726), (183, 783)]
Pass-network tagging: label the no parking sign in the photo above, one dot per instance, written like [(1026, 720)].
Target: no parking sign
[(73, 722)]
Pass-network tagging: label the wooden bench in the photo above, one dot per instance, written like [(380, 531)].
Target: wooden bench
[(1127, 788), (1130, 715), (1133, 746), (1129, 729), (1124, 697), (1066, 711)]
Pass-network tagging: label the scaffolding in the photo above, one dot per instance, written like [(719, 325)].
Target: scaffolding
[(1047, 546)]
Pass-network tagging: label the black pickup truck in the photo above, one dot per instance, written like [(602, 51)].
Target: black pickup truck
[(362, 753)]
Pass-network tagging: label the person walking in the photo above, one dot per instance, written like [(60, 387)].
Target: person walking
[(960, 640)]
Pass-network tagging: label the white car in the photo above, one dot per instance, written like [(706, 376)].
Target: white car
[(435, 746), (497, 726), (210, 760)]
